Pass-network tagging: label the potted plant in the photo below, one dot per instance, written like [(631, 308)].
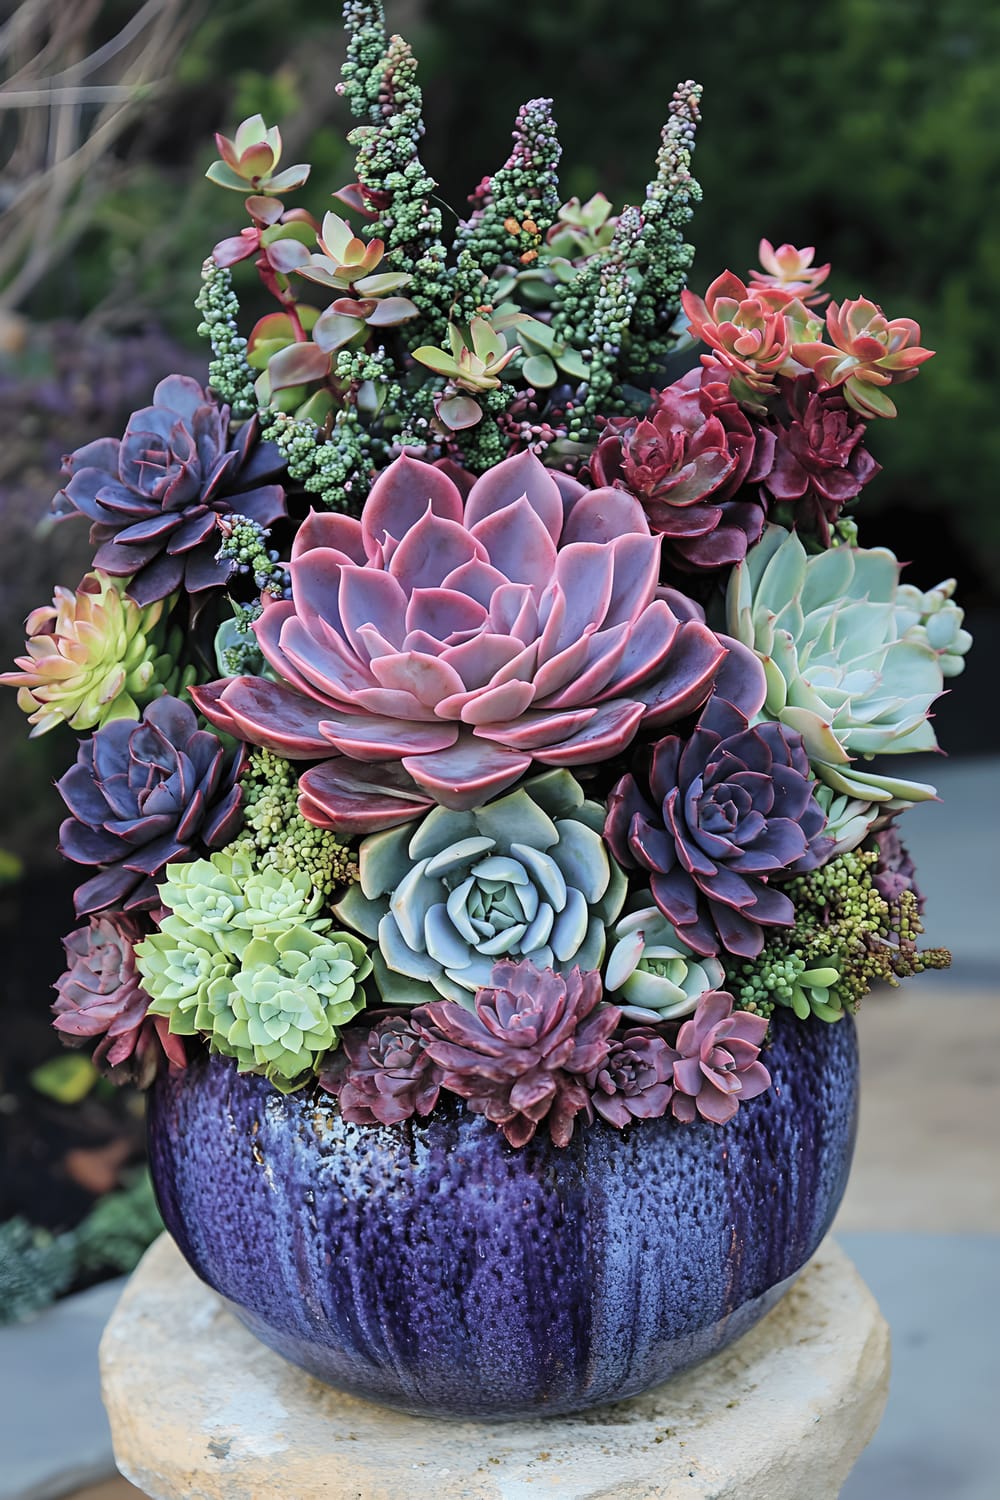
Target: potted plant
[(478, 688)]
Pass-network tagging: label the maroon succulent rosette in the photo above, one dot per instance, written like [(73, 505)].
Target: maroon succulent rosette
[(155, 497), (383, 1075), (524, 1054), (691, 461), (820, 462), (101, 996)]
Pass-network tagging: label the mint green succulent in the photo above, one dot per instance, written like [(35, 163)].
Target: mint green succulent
[(849, 820), (244, 959), (287, 999), (790, 981), (841, 661), (937, 620), (527, 876), (651, 973)]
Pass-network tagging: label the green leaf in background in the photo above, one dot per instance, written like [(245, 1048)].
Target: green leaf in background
[(67, 1078)]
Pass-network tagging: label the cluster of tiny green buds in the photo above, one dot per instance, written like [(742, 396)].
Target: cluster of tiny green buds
[(327, 468), (613, 307), (361, 71), (516, 206), (781, 978), (244, 542), (277, 837), (388, 166), (846, 939), (229, 375)]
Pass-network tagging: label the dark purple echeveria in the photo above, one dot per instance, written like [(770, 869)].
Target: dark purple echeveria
[(716, 1067), (522, 1057), (894, 871), (819, 460), (728, 810), (635, 1082), (101, 995), (143, 793), (685, 460), (383, 1075), (155, 497)]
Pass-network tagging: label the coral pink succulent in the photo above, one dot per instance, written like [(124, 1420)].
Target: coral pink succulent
[(867, 352), (788, 273), (748, 335), (465, 640)]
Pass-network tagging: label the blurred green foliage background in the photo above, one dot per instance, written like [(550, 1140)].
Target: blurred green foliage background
[(868, 127)]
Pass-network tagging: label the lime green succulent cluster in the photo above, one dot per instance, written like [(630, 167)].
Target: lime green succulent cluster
[(277, 837), (245, 959), (845, 940)]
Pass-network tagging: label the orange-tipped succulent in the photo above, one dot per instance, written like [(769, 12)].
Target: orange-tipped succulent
[(867, 352), (748, 336)]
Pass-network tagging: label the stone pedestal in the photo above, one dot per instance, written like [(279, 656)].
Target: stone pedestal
[(201, 1411)]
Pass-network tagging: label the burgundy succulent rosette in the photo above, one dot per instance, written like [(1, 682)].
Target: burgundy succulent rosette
[(470, 714)]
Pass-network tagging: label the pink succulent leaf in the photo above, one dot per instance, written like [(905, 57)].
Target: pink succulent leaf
[(333, 532), (358, 797), (482, 614), (384, 738), (280, 719), (467, 774), (401, 495), (521, 477), (715, 1070)]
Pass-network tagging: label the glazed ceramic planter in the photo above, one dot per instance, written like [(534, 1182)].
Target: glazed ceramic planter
[(431, 1267)]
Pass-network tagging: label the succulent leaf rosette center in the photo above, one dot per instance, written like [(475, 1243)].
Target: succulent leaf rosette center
[(463, 639), (527, 876)]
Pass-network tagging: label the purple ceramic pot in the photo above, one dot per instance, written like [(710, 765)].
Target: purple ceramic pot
[(432, 1267)]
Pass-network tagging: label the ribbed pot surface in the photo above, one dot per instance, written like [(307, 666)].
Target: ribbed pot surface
[(433, 1268)]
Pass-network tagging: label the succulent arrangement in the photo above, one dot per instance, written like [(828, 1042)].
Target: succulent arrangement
[(471, 705)]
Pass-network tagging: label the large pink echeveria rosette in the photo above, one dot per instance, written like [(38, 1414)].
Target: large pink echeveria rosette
[(435, 648)]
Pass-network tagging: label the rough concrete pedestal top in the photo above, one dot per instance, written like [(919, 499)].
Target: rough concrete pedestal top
[(201, 1411)]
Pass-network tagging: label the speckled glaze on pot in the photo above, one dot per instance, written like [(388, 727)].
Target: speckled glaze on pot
[(433, 1268)]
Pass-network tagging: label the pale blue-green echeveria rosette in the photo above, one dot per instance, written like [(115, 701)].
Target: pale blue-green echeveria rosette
[(841, 662), (651, 973), (526, 876), (937, 620), (244, 959)]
